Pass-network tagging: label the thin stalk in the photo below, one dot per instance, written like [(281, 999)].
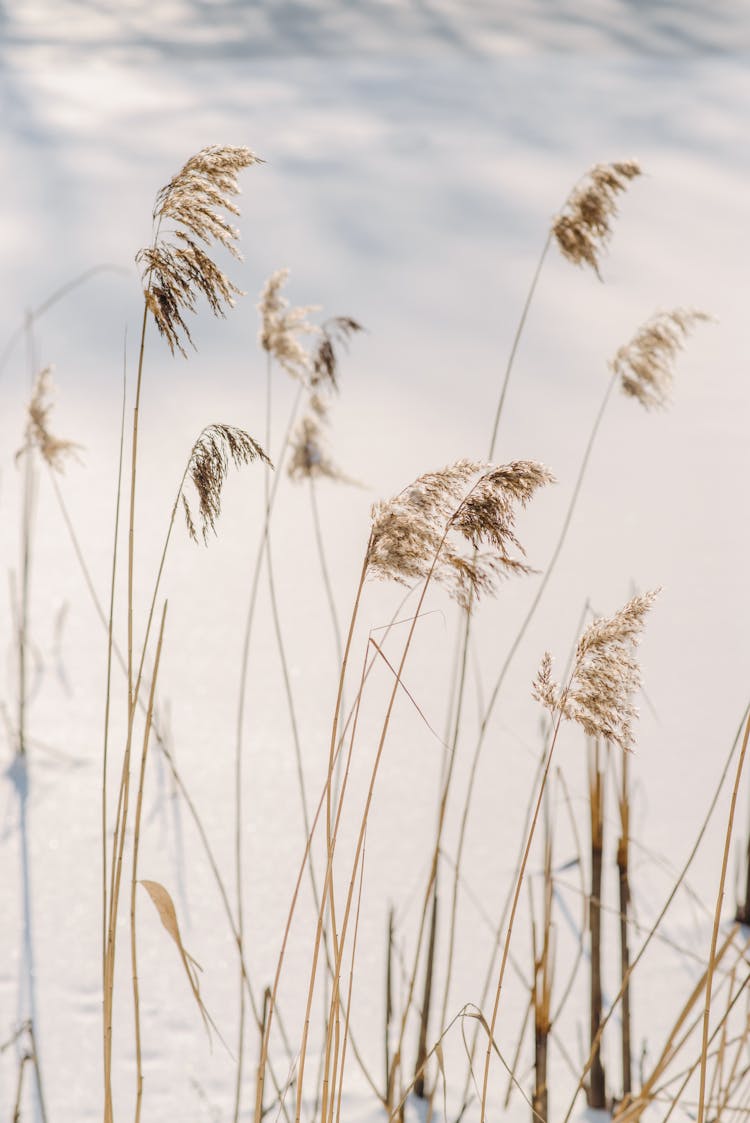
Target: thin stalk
[(388, 1013), (332, 755), (519, 638), (597, 1087), (109, 624), (514, 907), (623, 869), (238, 756), (467, 623), (370, 792), (419, 1082), (349, 992), (717, 922), (134, 877), (507, 903), (665, 908)]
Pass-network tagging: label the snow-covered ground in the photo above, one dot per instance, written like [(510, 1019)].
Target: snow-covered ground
[(415, 154)]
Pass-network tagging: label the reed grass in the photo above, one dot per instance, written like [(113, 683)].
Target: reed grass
[(454, 528)]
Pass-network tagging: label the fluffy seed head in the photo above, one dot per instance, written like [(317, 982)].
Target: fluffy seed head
[(438, 525), (334, 334), (645, 365), (605, 676), (309, 458), (54, 450), (281, 325), (584, 226), (176, 269), (216, 448)]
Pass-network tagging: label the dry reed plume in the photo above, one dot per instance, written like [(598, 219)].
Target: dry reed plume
[(645, 365), (53, 450), (605, 675), (335, 333), (281, 325), (422, 529), (584, 226), (217, 447), (176, 272), (309, 459)]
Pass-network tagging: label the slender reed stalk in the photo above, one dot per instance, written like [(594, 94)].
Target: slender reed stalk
[(513, 909), (109, 624), (665, 907), (419, 1081), (134, 876), (623, 870), (543, 958), (717, 922), (597, 1086)]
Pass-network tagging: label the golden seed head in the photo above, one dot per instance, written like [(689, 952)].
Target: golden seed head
[(281, 325), (584, 226), (176, 269), (53, 450), (438, 525), (605, 677), (217, 447), (645, 365)]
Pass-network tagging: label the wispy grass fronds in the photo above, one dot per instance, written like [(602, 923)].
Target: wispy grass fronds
[(309, 459), (606, 675), (584, 226), (217, 447), (281, 325), (645, 365), (53, 450), (440, 522), (334, 334), (176, 270)]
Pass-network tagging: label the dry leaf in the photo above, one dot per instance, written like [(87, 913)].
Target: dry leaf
[(168, 916)]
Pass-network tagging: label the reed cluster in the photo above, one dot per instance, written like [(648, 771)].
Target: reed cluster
[(458, 529)]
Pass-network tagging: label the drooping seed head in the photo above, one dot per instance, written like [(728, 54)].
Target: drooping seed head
[(645, 365), (53, 450), (438, 524), (217, 447), (176, 269), (334, 334), (584, 226)]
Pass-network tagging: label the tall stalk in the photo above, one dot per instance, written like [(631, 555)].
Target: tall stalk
[(597, 1087), (484, 726), (623, 870), (717, 922)]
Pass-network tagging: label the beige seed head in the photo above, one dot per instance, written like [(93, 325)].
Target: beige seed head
[(176, 269), (309, 459), (281, 325), (54, 450), (584, 226), (439, 523), (605, 677), (645, 365), (217, 447)]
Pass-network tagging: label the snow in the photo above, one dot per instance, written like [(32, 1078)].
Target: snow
[(415, 153)]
